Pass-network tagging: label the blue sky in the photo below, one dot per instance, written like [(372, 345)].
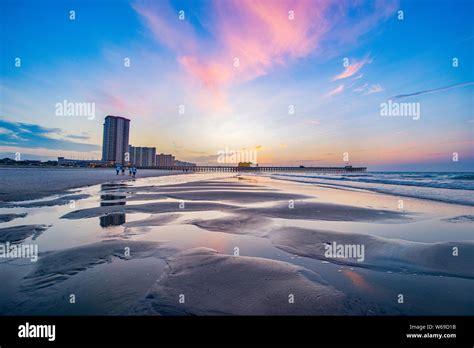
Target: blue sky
[(282, 62)]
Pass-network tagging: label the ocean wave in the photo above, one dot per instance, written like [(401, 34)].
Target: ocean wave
[(463, 177), (442, 191), (442, 180)]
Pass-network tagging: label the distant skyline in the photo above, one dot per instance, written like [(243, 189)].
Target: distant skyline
[(229, 74)]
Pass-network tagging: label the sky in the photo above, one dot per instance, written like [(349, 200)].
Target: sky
[(299, 82)]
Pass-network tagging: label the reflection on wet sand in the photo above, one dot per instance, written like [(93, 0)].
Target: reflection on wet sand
[(235, 246), (112, 220), (109, 199)]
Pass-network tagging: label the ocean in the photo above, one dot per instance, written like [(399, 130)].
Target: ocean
[(455, 188)]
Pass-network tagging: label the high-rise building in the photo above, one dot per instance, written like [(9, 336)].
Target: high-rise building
[(163, 160), (115, 142), (142, 156)]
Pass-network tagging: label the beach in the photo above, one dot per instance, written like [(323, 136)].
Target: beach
[(30, 183), (235, 244)]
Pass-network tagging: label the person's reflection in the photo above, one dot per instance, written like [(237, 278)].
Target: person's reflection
[(113, 219)]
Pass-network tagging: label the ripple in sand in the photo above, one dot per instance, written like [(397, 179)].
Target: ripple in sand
[(236, 196), (10, 217), (56, 266), (153, 208), (328, 212), (47, 203), (461, 219), (236, 224), (216, 284), (381, 253), (17, 234)]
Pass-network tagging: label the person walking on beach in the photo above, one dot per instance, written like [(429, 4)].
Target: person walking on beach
[(123, 170), (117, 169), (134, 171), (130, 170)]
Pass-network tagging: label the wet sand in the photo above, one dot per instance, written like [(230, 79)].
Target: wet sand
[(19, 233), (381, 253), (19, 184), (214, 284), (235, 245), (10, 217), (56, 266)]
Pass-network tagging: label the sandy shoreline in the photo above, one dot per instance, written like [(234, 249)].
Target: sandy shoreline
[(19, 184), (234, 245)]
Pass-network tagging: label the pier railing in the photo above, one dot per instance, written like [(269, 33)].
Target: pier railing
[(346, 169)]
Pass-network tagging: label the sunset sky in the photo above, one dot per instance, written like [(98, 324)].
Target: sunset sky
[(283, 63)]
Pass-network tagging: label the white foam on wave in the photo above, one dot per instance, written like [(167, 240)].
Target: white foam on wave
[(439, 187)]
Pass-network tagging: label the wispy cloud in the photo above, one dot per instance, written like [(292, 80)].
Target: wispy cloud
[(78, 137), (374, 89), (352, 69), (335, 91), (165, 26), (434, 90), (367, 89), (256, 38), (35, 136)]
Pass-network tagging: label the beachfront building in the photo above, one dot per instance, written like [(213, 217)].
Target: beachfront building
[(142, 156), (115, 141), (184, 164), (68, 162), (163, 160)]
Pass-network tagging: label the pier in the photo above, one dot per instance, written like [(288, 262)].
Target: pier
[(346, 169)]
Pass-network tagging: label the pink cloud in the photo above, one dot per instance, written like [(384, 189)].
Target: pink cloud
[(211, 74), (335, 91), (264, 36), (257, 37), (352, 69), (260, 35)]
